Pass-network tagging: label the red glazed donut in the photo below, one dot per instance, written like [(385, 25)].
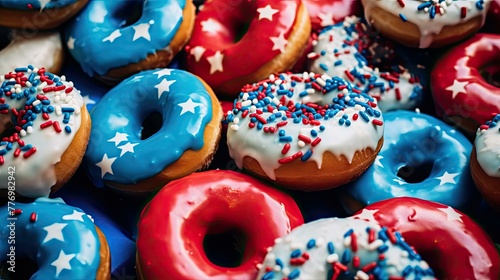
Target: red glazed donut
[(452, 243), (493, 17), (174, 225), (276, 35), (328, 12), (466, 82)]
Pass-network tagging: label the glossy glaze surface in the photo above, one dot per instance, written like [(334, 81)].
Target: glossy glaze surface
[(328, 12), (61, 239), (97, 36), (487, 145), (35, 4), (452, 243), (214, 54), (174, 224), (415, 142), (457, 85), (116, 145)]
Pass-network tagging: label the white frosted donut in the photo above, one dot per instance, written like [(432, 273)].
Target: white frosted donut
[(343, 249), (43, 49), (338, 52)]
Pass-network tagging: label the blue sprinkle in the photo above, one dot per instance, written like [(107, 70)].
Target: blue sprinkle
[(9, 146), (296, 253), (26, 148), (407, 270), (67, 129), (311, 243), (21, 69), (279, 262), (337, 63), (281, 132), (348, 233), (286, 139), (323, 66), (346, 257), (331, 248), (306, 156), (322, 127), (268, 276), (3, 152), (294, 274), (383, 248), (314, 133), (403, 17)]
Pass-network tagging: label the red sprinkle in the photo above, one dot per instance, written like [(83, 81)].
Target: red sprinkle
[(57, 126), (33, 217), (377, 122), (401, 3), (304, 138), (354, 242), (283, 123), (290, 158), (29, 153), (398, 94), (463, 12), (355, 117), (391, 236), (285, 149), (369, 266), (2, 160), (46, 124), (17, 152), (371, 236), (297, 261), (316, 142), (260, 119), (68, 90), (356, 261)]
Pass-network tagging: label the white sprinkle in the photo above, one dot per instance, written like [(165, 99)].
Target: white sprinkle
[(375, 244), (29, 129), (276, 101), (253, 109), (265, 84), (57, 99), (321, 82), (278, 82), (36, 102), (235, 127), (245, 96), (332, 258), (18, 90), (417, 110), (306, 98), (310, 91), (271, 77), (236, 120), (361, 275), (68, 99), (301, 144), (258, 266), (296, 245), (277, 268), (22, 132), (305, 75), (285, 271), (347, 241), (255, 101), (278, 240), (246, 103), (42, 85), (319, 242)]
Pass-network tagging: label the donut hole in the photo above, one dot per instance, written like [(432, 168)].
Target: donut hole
[(129, 13), (240, 30), (225, 247), (415, 173), (151, 124), (491, 73)]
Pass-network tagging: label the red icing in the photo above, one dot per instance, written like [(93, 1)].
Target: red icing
[(252, 51), (173, 225), (335, 10), (463, 64), (454, 246)]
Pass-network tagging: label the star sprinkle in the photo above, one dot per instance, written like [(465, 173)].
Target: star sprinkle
[(111, 38), (136, 78), (118, 138), (457, 87), (163, 72), (216, 62), (210, 25), (164, 86), (377, 161), (71, 43), (188, 106), (54, 231), (75, 216), (105, 165), (451, 214), (127, 148), (447, 178), (87, 100), (62, 262), (267, 12), (197, 52), (279, 42), (142, 31), (326, 19), (43, 3), (367, 215)]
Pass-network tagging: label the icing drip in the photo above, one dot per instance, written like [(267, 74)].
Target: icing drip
[(292, 117), (342, 50), (487, 145), (44, 111)]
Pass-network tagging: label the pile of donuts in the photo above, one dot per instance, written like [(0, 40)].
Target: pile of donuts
[(217, 117)]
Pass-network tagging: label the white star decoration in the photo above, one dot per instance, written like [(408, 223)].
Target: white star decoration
[(163, 72), (377, 161), (267, 12), (136, 78), (142, 31), (43, 3), (75, 216), (71, 43), (447, 178), (88, 100), (54, 231), (163, 86), (451, 214), (210, 25), (326, 19), (127, 148), (279, 42), (216, 62), (111, 38), (119, 137), (105, 165), (62, 262), (367, 214), (456, 88), (197, 52), (188, 106)]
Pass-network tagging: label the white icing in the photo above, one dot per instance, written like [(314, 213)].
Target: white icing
[(37, 49), (488, 150), (388, 99), (320, 261), (340, 140), (34, 176), (428, 27)]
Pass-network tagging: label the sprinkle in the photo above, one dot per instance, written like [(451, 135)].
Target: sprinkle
[(403, 17), (29, 153), (33, 217)]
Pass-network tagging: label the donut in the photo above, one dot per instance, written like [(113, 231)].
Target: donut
[(152, 35), (426, 23), (175, 226), (493, 17), (327, 12), (336, 248), (45, 129), (305, 132), (137, 148), (42, 49), (36, 15), (227, 57), (421, 157), (62, 240), (453, 244), (465, 82), (342, 50), (485, 161)]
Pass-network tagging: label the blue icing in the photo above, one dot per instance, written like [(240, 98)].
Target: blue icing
[(62, 241), (35, 4), (97, 39), (116, 152), (417, 140)]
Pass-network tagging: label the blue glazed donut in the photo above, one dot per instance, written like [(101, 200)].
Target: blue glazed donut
[(98, 36), (120, 155), (61, 239), (421, 157), (35, 5)]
